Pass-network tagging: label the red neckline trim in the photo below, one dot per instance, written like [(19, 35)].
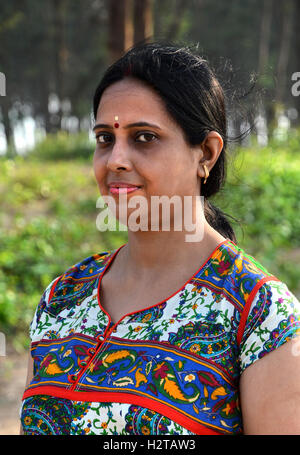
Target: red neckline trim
[(109, 262)]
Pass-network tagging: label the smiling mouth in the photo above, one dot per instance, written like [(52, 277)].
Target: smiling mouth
[(122, 190)]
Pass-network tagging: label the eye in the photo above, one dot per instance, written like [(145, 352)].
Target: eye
[(103, 138), (148, 136)]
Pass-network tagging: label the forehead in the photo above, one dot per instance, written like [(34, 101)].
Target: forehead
[(131, 97)]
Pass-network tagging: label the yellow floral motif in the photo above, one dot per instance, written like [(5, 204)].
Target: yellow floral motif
[(239, 265), (78, 287), (194, 306), (219, 391), (195, 348), (27, 420), (172, 321), (146, 317), (246, 295), (227, 409), (145, 430), (196, 289), (189, 377), (138, 328), (140, 377), (53, 368), (104, 425)]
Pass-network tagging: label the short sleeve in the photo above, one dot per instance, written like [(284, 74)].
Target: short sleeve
[(44, 302), (273, 319)]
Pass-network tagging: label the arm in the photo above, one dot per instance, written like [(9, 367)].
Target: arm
[(270, 392), (29, 378)]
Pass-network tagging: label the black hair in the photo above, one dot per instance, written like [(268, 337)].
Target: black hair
[(193, 97)]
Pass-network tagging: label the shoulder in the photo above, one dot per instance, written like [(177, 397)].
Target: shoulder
[(272, 319), (242, 275), (257, 294), (74, 284)]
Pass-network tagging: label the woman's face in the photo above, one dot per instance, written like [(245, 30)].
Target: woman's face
[(155, 157)]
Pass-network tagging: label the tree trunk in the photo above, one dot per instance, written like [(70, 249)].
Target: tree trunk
[(143, 21), (174, 29), (297, 56), (61, 53), (8, 129), (265, 33), (263, 60), (284, 51), (119, 28)]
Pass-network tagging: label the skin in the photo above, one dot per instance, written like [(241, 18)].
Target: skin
[(270, 387)]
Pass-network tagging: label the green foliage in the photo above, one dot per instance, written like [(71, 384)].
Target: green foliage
[(48, 219), (63, 146)]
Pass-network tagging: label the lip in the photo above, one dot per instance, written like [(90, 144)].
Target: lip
[(123, 190), (123, 185)]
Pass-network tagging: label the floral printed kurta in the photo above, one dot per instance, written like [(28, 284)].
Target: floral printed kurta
[(172, 368)]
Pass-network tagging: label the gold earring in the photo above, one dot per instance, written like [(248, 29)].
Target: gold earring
[(206, 173)]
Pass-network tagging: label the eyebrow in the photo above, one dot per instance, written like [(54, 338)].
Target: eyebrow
[(130, 125)]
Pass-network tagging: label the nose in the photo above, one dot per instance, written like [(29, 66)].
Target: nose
[(119, 157)]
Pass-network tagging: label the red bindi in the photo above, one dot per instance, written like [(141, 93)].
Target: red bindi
[(116, 125)]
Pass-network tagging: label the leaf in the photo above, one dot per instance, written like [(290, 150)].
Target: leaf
[(111, 357), (140, 377), (195, 409), (225, 424), (220, 391), (172, 388), (219, 404), (207, 378), (90, 380), (148, 367), (152, 389), (121, 382)]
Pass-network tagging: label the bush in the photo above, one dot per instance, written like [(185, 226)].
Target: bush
[(63, 146)]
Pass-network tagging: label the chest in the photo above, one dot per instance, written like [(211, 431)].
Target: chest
[(118, 300)]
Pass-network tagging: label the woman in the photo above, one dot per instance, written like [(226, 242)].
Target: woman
[(164, 335)]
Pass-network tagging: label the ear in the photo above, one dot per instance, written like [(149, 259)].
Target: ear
[(211, 149)]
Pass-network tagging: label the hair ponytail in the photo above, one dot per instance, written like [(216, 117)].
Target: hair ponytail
[(218, 220)]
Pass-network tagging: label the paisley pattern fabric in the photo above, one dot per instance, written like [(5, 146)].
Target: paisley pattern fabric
[(172, 368)]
